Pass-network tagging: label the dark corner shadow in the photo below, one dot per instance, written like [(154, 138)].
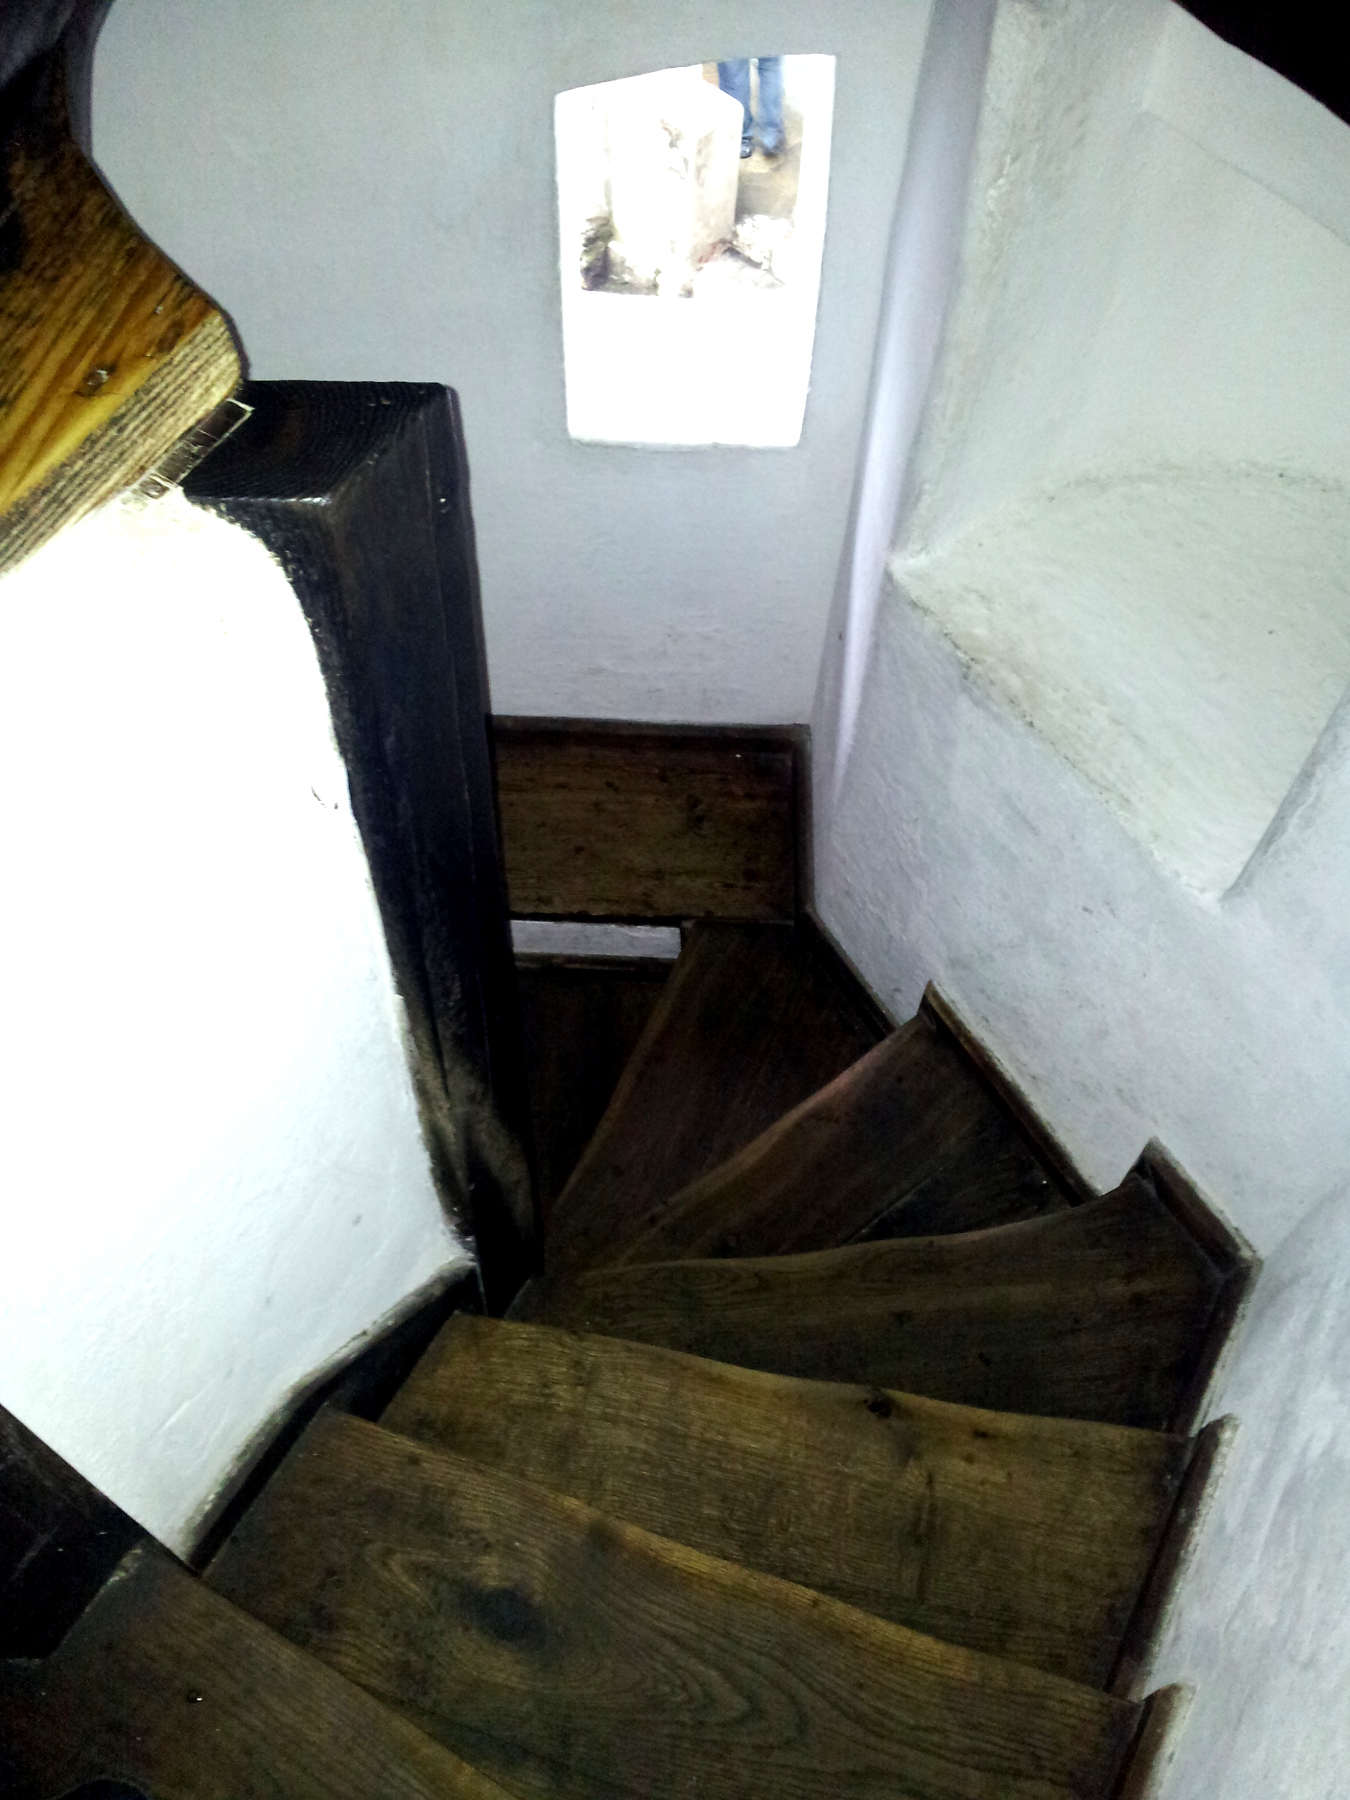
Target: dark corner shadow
[(1299, 39)]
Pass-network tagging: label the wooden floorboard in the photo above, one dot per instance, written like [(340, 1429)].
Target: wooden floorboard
[(1024, 1537), (904, 1143), (750, 1023), (604, 820), (572, 1655), (1097, 1312), (582, 1022), (165, 1686)]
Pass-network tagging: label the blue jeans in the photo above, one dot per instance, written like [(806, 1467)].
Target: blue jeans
[(734, 78)]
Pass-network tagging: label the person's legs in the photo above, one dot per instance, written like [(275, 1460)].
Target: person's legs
[(769, 111), (734, 78)]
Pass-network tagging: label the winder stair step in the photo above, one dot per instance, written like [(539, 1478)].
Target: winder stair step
[(1028, 1538), (570, 1654)]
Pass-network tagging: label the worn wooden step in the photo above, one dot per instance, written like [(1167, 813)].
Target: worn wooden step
[(164, 1685), (905, 1143), (1025, 1537), (570, 1654), (753, 1020), (1104, 1311)]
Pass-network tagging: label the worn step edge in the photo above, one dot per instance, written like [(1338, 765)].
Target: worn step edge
[(608, 1300), (895, 1570)]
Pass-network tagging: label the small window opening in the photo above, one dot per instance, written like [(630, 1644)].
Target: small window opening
[(691, 209)]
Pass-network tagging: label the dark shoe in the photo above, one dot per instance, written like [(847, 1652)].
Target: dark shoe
[(747, 148)]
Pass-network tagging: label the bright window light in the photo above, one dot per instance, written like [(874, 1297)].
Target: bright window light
[(691, 231)]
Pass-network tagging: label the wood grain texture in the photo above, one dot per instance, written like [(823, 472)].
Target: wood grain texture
[(751, 1022), (582, 1023), (632, 821), (904, 1143), (569, 1654), (361, 490), (108, 354), (1028, 1538), (1098, 1312), (167, 1687)]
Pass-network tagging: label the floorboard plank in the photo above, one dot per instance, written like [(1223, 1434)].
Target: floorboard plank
[(1029, 1538), (572, 1655)]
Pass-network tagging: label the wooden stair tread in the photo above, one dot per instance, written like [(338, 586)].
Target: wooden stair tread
[(1029, 1538), (582, 1023), (108, 353), (904, 1143), (751, 1022), (603, 819), (571, 1654), (164, 1685), (1098, 1312)]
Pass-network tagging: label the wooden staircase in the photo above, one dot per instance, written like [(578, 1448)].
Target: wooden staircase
[(841, 1451)]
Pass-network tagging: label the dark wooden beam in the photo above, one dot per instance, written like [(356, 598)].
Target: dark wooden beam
[(361, 490)]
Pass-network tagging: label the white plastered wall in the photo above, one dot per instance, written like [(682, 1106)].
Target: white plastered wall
[(212, 1172), (370, 191), (1260, 1630), (1135, 441), (967, 834)]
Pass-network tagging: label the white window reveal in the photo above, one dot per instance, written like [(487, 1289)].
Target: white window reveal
[(692, 226)]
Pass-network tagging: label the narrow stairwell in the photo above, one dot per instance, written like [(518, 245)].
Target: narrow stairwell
[(840, 1451)]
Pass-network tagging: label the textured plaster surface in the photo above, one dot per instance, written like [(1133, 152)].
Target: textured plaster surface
[(1181, 635), (1129, 491), (1264, 1631), (213, 1175), (968, 851), (370, 191)]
